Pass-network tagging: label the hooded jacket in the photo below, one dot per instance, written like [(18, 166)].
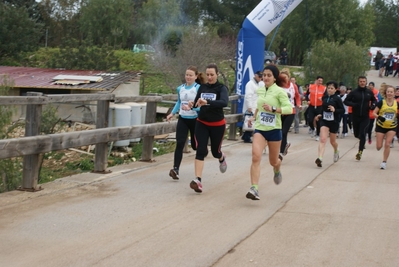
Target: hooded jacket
[(361, 100)]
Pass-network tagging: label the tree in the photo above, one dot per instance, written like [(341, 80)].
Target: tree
[(333, 21), (198, 47), (18, 31), (106, 22), (386, 29), (338, 62)]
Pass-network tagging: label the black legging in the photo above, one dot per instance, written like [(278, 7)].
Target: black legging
[(286, 122), (312, 113), (202, 134), (360, 126), (182, 128)]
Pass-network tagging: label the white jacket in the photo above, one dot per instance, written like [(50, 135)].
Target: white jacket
[(251, 97)]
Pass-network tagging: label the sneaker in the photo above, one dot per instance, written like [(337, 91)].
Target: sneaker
[(310, 131), (280, 156), (196, 185), (286, 148), (318, 162), (223, 164), (359, 155), (345, 135), (317, 138), (383, 165), (391, 145), (336, 156), (174, 173), (253, 194), (277, 177)]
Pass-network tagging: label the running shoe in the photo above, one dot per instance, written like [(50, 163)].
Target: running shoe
[(383, 165), (317, 138), (253, 194), (223, 164), (345, 135), (286, 148), (359, 155), (310, 131), (336, 156), (318, 162), (280, 156), (391, 145), (174, 173), (196, 185), (277, 177)]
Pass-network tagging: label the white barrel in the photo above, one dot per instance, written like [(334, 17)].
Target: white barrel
[(119, 115), (136, 116), (143, 111)]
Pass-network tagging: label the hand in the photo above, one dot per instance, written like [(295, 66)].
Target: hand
[(185, 107), (317, 117), (201, 102), (331, 108), (381, 118), (190, 104), (169, 117), (267, 107)]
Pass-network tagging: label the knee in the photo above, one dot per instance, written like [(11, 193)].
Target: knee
[(201, 153)]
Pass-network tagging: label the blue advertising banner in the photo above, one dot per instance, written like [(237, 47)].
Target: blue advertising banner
[(251, 39)]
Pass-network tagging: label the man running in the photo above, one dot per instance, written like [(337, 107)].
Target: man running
[(361, 100)]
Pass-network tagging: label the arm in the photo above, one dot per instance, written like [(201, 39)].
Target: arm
[(285, 104), (340, 109), (249, 97), (223, 101), (176, 108), (298, 101), (349, 100)]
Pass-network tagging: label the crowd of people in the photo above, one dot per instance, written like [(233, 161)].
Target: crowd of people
[(273, 103)]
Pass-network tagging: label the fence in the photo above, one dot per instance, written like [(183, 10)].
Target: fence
[(33, 144)]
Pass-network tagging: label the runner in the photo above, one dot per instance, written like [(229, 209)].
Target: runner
[(361, 100), (332, 108), (187, 117), (272, 102), (386, 113)]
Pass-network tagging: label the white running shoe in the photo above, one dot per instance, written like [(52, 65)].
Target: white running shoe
[(286, 148), (391, 145), (317, 138), (336, 156), (383, 165)]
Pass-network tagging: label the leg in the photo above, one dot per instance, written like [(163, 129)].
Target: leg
[(363, 126), (201, 139), (181, 137), (370, 130), (286, 121), (388, 140), (296, 120), (311, 114), (345, 124), (323, 140), (379, 140), (216, 134), (258, 144)]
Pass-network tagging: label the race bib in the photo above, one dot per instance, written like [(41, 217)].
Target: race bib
[(389, 116), (208, 96), (186, 112), (267, 119), (328, 116)]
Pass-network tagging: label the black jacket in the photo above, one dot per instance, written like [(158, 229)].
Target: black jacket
[(361, 100), (334, 101), (217, 97)]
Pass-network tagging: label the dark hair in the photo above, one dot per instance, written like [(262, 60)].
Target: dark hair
[(334, 83), (319, 77), (372, 83), (280, 79), (361, 77), (200, 76), (213, 66)]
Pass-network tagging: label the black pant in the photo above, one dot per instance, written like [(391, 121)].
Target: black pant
[(182, 128), (215, 134), (312, 113), (360, 127), (370, 128), (286, 122), (344, 119)]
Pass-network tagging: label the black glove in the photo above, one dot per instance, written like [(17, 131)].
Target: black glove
[(381, 118)]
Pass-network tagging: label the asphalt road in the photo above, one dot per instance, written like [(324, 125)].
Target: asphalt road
[(343, 214)]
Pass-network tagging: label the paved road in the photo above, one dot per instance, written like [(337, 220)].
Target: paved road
[(344, 214)]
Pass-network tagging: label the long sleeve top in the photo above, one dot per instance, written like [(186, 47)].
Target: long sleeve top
[(184, 94), (273, 96)]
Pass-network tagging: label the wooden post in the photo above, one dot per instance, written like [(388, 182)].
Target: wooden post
[(233, 126), (31, 163), (101, 152), (148, 142)]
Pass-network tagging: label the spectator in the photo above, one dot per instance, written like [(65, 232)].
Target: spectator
[(250, 101), (284, 57)]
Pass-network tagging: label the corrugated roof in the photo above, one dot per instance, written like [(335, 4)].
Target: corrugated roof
[(24, 77)]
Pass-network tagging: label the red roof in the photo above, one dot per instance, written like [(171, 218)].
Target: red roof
[(24, 77)]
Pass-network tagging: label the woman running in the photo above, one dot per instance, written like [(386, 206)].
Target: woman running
[(329, 121), (272, 102), (386, 113), (187, 116)]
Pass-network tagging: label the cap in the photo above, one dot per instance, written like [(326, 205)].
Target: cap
[(259, 73)]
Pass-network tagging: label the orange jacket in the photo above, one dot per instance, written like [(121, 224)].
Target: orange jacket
[(375, 92), (316, 92)]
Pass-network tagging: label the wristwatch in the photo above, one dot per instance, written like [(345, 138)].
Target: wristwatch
[(274, 109)]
